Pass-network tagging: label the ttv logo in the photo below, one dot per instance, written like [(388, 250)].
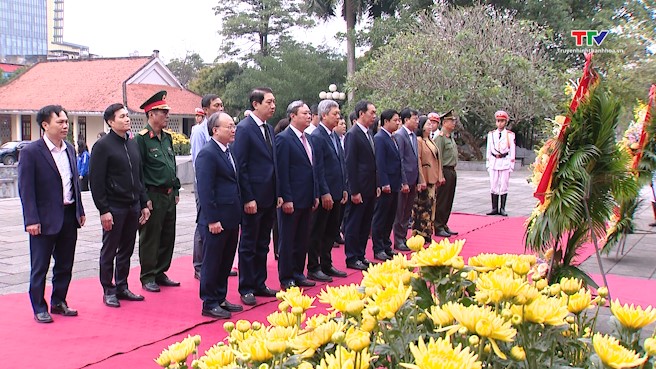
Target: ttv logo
[(589, 37)]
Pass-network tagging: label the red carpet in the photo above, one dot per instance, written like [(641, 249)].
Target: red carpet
[(133, 335)]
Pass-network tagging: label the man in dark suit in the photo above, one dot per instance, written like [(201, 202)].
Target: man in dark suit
[(361, 174), (331, 174), (52, 210), (220, 215), (407, 142), (299, 191), (255, 155), (391, 180)]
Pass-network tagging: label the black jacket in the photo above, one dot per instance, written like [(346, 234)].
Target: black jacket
[(115, 174)]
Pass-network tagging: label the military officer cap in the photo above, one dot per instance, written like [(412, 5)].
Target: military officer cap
[(434, 117), (501, 115), (157, 101), (448, 115)]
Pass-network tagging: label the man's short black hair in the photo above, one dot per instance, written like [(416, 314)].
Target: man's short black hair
[(387, 115), (45, 114), (207, 99), (111, 110), (407, 113), (361, 107), (257, 95)]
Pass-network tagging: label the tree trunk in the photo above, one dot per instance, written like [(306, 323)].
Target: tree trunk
[(470, 140), (349, 12)]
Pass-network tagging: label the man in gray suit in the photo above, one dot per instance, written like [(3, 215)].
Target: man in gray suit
[(406, 139)]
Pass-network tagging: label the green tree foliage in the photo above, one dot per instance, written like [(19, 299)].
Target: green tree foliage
[(215, 78), (255, 27), (187, 68), (296, 72), (475, 60)]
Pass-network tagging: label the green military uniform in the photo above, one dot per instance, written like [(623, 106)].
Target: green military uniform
[(448, 150), (157, 236)]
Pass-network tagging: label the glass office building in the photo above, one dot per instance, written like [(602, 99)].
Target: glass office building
[(23, 30)]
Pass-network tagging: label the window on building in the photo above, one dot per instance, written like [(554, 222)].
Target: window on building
[(26, 127), (82, 129)]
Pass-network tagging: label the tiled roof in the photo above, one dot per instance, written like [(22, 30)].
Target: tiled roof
[(8, 68), (77, 85), (181, 101)]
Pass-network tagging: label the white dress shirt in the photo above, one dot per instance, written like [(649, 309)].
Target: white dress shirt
[(60, 156)]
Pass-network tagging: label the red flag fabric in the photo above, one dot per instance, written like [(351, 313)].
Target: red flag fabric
[(589, 77), (645, 124)]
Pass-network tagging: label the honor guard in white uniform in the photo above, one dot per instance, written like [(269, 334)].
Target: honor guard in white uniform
[(500, 162)]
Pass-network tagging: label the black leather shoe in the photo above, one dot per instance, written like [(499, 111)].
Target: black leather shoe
[(233, 273), (339, 239), (266, 292), (304, 282), (248, 299), (319, 276), (442, 233), (128, 295), (366, 262), (43, 317), (402, 247), (359, 265), (333, 272), (391, 253), (62, 309), (217, 312), (150, 286), (111, 301), (502, 212), (197, 275), (493, 212), (287, 285), (382, 256), (448, 230), (167, 282), (228, 306)]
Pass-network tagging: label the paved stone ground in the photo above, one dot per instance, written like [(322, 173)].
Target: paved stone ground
[(472, 196)]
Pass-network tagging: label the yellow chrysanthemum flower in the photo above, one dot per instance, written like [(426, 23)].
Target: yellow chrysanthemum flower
[(379, 276), (443, 253), (218, 356), (439, 316), (283, 319), (255, 347), (180, 351), (570, 285), (345, 359), (499, 285), (440, 354), (613, 354), (518, 353), (416, 243), (357, 340), (319, 319), (543, 310), (484, 322), (163, 360), (489, 262), (633, 317), (339, 298), (295, 298), (650, 346), (390, 300), (579, 301)]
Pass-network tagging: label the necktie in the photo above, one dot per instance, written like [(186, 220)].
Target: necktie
[(308, 151), (335, 141), (267, 137), (499, 135), (227, 152), (371, 141), (395, 144), (413, 141)]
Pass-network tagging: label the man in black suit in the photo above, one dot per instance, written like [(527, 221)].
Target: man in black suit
[(255, 155), (331, 174), (407, 143), (299, 191), (391, 180), (52, 210), (220, 215), (361, 174)]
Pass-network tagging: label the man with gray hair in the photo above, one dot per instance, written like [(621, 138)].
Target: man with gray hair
[(331, 175), (296, 162)]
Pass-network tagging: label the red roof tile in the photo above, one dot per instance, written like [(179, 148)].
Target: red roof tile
[(181, 101), (8, 68), (77, 85)]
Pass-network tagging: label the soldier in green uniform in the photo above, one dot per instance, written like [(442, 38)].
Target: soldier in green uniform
[(448, 149), (157, 236)]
